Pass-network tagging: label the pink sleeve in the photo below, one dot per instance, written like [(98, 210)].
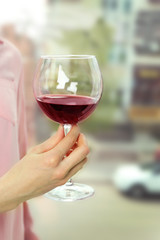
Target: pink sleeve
[(29, 235), (22, 132), (22, 137)]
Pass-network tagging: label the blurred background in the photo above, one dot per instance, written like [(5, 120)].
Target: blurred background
[(124, 131)]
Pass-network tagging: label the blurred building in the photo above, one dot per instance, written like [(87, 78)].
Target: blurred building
[(120, 14), (135, 56), (145, 99)]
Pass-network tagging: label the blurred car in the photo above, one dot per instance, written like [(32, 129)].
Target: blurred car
[(138, 180)]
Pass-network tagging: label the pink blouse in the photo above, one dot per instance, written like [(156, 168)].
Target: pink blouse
[(15, 224)]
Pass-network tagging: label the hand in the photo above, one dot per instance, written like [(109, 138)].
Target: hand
[(44, 167)]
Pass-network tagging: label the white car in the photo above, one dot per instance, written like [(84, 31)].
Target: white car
[(138, 180)]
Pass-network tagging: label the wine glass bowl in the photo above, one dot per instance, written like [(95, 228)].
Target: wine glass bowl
[(67, 89)]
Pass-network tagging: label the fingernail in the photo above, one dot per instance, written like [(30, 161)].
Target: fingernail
[(84, 138)]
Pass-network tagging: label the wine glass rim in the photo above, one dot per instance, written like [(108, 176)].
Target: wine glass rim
[(67, 56)]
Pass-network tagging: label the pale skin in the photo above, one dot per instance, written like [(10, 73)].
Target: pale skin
[(43, 168)]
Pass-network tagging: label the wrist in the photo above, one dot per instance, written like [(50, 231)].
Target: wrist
[(9, 195)]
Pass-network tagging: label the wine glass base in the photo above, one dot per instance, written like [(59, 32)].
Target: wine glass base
[(70, 193)]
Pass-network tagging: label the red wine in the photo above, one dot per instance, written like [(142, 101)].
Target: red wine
[(65, 109)]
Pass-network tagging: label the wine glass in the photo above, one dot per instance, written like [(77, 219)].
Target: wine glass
[(67, 89)]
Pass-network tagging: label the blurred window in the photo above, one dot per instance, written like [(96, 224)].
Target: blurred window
[(127, 6), (156, 170), (146, 91), (113, 54), (147, 166), (113, 4), (151, 166), (122, 56), (147, 32)]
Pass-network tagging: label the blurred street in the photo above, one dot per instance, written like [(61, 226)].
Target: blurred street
[(108, 214)]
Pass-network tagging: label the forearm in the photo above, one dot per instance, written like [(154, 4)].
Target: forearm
[(9, 194)]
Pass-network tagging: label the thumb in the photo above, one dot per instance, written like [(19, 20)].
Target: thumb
[(50, 142)]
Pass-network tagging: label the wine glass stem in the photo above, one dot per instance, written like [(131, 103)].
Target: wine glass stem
[(67, 128)]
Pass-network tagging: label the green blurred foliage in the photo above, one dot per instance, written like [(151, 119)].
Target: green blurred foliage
[(97, 41)]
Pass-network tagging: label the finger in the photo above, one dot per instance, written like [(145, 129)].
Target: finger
[(74, 170), (51, 142), (82, 140), (71, 149), (78, 143), (66, 143), (77, 155), (64, 178)]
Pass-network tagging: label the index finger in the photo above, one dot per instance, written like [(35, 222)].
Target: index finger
[(66, 143), (78, 155)]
